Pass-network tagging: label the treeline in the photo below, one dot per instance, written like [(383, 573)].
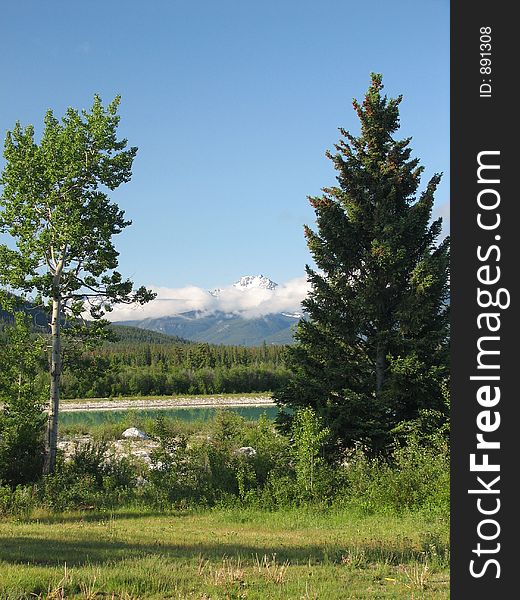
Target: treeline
[(128, 369), (148, 363), (127, 334), (188, 355)]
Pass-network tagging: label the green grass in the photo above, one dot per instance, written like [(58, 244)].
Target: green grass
[(225, 554)]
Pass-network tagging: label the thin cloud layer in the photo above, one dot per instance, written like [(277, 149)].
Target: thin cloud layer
[(250, 303)]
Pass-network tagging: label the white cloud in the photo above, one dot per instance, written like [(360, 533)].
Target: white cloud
[(250, 303)]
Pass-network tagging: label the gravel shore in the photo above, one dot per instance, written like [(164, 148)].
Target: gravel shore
[(147, 403)]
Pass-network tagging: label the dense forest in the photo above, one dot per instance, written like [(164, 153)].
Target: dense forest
[(169, 366), (148, 363), (130, 368)]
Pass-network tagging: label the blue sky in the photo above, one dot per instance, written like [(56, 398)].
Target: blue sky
[(232, 105)]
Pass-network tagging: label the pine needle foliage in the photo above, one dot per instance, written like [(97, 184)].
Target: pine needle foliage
[(373, 349)]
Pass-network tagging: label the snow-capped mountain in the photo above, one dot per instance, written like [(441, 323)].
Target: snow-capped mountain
[(248, 282), (220, 326)]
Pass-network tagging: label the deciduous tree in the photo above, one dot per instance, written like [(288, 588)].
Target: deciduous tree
[(55, 206)]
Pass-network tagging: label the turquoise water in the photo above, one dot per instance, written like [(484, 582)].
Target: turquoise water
[(96, 417)]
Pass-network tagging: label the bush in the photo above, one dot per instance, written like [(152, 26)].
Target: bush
[(18, 501), (179, 474), (280, 491), (415, 477), (91, 479), (207, 468), (21, 445), (22, 420), (312, 475), (273, 455)]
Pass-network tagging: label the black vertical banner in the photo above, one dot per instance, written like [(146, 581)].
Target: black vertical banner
[(485, 304)]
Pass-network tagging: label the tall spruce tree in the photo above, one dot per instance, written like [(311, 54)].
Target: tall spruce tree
[(373, 349)]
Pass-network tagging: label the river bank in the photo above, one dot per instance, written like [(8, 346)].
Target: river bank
[(110, 404)]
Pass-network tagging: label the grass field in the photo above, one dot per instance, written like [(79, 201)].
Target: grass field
[(224, 554)]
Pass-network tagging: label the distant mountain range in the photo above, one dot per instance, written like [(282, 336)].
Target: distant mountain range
[(223, 328), (124, 334), (215, 327), (234, 328)]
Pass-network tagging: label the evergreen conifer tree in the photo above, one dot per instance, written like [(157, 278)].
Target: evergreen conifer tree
[(373, 349)]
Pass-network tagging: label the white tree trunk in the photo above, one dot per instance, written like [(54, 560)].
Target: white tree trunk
[(51, 442)]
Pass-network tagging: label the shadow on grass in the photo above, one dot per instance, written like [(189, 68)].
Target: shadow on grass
[(96, 516), (56, 552)]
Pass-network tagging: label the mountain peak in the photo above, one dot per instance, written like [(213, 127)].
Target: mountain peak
[(248, 282)]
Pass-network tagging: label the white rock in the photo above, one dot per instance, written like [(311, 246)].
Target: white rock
[(133, 432)]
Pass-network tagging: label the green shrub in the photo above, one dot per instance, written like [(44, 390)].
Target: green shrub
[(21, 445), (18, 501), (280, 491), (205, 467), (179, 473), (309, 436), (22, 420), (414, 477), (273, 454), (91, 479), (208, 468)]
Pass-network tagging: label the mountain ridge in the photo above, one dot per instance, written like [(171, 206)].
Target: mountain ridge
[(212, 325), (228, 327), (222, 328)]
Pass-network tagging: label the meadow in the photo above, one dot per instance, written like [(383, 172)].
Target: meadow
[(225, 553), (203, 522)]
